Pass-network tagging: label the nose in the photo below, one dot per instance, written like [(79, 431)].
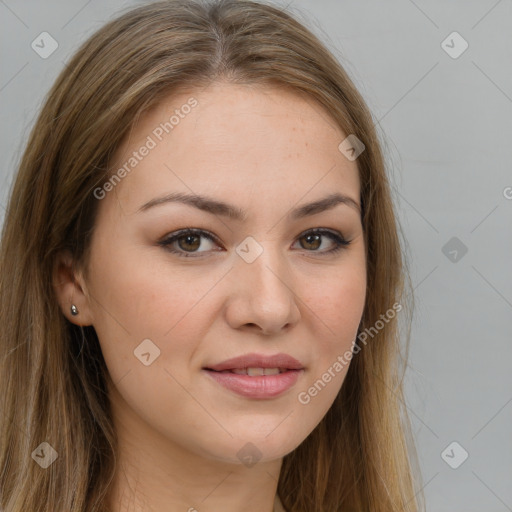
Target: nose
[(262, 298)]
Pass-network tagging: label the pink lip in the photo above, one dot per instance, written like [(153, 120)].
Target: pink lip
[(265, 386), (259, 387), (258, 361)]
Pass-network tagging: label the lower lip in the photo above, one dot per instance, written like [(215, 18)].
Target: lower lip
[(264, 386)]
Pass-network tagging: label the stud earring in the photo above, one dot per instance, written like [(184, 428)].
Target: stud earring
[(74, 310)]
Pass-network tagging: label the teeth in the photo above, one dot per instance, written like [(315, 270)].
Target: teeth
[(257, 372), (239, 371)]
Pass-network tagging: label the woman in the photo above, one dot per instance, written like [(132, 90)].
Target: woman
[(201, 277)]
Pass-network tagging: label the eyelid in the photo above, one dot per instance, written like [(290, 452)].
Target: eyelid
[(336, 236), (169, 239)]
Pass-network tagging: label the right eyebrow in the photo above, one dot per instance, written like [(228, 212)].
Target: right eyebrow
[(216, 207)]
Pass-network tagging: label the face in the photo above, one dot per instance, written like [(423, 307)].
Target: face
[(175, 288)]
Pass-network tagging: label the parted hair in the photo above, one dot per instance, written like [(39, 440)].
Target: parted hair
[(53, 378)]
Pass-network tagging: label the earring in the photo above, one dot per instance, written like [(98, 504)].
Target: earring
[(74, 310)]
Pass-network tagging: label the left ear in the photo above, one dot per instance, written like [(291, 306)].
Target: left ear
[(69, 287)]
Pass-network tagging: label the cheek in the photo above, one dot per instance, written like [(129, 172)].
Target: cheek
[(338, 307), (145, 308), (141, 299), (141, 294)]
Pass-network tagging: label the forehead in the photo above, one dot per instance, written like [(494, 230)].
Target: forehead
[(240, 143)]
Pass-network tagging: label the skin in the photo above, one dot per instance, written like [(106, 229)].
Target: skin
[(264, 150)]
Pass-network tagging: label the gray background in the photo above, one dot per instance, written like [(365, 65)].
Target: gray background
[(447, 124)]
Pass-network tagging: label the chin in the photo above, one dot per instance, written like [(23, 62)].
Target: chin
[(250, 446)]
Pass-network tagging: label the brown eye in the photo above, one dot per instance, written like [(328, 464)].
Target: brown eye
[(313, 241), (187, 242), (190, 242)]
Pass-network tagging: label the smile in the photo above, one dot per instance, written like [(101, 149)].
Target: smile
[(257, 383)]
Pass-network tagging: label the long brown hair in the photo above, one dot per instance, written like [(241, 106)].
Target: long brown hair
[(52, 373)]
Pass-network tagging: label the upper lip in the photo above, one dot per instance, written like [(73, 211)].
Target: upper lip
[(258, 361)]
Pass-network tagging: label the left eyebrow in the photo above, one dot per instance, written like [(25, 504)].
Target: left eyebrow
[(327, 203), (216, 207)]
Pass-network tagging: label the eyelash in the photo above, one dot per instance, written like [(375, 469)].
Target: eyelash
[(340, 242)]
